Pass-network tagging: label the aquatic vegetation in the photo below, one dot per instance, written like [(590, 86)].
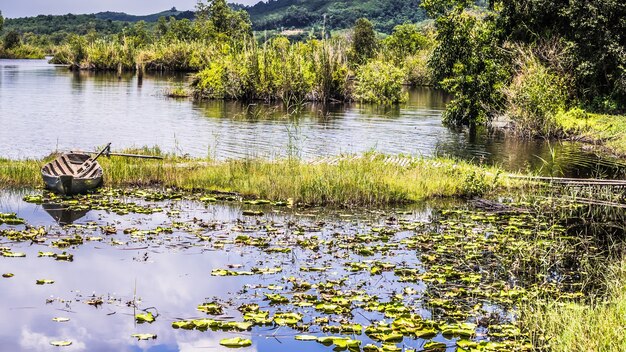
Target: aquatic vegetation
[(578, 325), (147, 317), (379, 82), (236, 342), (356, 181), (378, 282)]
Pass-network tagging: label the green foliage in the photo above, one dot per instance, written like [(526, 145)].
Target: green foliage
[(593, 34), (468, 62), (364, 41), (291, 73), (379, 82), (23, 51), (11, 40), (416, 70), (405, 40), (535, 97), (57, 28), (1, 21), (216, 18)]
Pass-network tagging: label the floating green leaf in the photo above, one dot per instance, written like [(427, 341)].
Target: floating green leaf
[(236, 342)]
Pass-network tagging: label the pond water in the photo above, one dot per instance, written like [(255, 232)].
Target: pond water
[(45, 108), (443, 274)]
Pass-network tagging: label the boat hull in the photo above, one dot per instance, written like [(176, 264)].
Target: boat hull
[(65, 175), (74, 186)]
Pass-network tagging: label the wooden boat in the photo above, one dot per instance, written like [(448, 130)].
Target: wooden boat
[(77, 172), (72, 173)]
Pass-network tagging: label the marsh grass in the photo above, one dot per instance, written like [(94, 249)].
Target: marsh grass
[(598, 325), (364, 181), (23, 51), (608, 131)]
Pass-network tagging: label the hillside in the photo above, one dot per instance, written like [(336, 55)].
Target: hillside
[(270, 15), (124, 17), (385, 14)]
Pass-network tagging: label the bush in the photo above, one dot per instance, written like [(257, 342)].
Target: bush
[(534, 98), (11, 40), (379, 82), (417, 72)]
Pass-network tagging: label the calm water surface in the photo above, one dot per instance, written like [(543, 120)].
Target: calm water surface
[(168, 275), (45, 108)]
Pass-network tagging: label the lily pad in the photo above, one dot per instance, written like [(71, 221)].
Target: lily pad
[(144, 318), (236, 342)]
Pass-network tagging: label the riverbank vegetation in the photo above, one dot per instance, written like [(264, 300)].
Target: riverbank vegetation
[(371, 180), (575, 326), (529, 60)]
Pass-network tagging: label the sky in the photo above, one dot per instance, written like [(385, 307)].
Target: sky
[(24, 8)]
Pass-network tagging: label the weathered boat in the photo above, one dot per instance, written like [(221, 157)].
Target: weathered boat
[(72, 173)]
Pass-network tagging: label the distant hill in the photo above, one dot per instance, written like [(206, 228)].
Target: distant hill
[(385, 14), (124, 17), (269, 15)]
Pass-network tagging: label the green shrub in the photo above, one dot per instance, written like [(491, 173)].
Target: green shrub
[(417, 72), (23, 51), (379, 82), (535, 97)]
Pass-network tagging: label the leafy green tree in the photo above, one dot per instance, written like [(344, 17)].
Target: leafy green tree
[(592, 34), (12, 40), (1, 21), (406, 40), (468, 61), (216, 18), (183, 30), (363, 40), (162, 27)]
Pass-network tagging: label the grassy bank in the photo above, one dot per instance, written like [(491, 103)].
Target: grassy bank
[(608, 131), (574, 326), (24, 51), (363, 181)]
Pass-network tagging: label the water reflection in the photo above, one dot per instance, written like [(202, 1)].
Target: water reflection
[(62, 215), (170, 273)]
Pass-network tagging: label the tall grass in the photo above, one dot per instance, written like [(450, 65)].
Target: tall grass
[(608, 131), (276, 70), (363, 181), (23, 51), (599, 325)]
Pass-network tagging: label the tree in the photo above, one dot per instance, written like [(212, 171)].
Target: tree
[(406, 40), (592, 34), (1, 21), (216, 18), (363, 40), (12, 40), (468, 61), (162, 27)]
